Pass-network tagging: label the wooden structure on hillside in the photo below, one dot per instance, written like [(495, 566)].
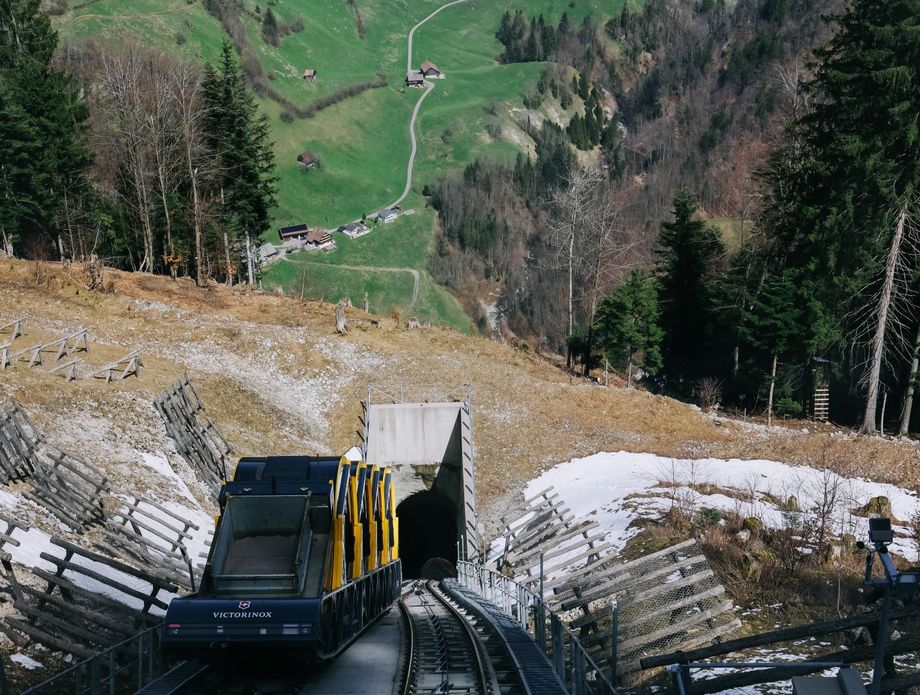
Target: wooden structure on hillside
[(129, 365), (144, 531), (70, 488), (19, 442), (670, 599), (196, 436), (68, 617)]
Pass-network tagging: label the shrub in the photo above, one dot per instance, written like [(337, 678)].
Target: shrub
[(786, 407), (180, 38), (710, 516)]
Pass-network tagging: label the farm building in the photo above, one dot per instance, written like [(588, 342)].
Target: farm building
[(354, 229), (267, 251), (309, 75), (294, 231), (415, 78), (429, 69), (319, 240), (388, 215), (308, 160)]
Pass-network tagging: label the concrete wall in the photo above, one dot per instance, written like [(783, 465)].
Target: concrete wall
[(429, 447)]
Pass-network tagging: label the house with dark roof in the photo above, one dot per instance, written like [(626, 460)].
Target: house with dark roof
[(429, 69), (354, 229), (308, 160), (414, 78), (294, 231)]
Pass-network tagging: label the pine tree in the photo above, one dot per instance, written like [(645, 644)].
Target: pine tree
[(50, 122), (240, 138), (626, 325), (688, 251), (18, 177), (270, 30), (849, 170), (771, 324)]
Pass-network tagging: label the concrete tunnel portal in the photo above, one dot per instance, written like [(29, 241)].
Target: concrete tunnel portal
[(429, 448), (427, 530)]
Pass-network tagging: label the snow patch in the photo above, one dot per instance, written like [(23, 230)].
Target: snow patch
[(26, 662), (618, 488)]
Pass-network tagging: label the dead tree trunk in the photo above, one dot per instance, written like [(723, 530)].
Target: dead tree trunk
[(341, 323), (881, 324), (770, 397), (909, 394)]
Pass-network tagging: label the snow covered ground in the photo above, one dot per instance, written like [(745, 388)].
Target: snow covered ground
[(617, 488)]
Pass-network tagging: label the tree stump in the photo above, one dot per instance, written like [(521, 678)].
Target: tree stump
[(341, 323)]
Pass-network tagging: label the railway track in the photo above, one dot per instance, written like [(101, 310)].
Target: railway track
[(449, 650)]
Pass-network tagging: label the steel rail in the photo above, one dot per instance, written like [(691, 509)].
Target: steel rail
[(410, 645), (486, 682), (487, 678)]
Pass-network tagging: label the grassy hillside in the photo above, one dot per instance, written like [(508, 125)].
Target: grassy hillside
[(363, 141)]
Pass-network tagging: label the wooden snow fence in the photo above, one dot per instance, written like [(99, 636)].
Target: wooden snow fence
[(146, 532), (197, 438), (14, 328), (129, 365), (545, 517), (75, 342), (6, 561), (70, 488), (19, 442), (667, 600), (68, 616)]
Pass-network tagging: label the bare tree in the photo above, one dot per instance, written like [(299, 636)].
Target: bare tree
[(885, 311), (185, 92), (589, 240), (575, 202), (909, 389), (166, 134), (125, 77)]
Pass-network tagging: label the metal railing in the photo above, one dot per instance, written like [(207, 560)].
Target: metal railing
[(570, 660), (122, 668)]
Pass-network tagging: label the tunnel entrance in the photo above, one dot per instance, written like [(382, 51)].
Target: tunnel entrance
[(427, 529)]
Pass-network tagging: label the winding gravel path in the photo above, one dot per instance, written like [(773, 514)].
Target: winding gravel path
[(428, 87)]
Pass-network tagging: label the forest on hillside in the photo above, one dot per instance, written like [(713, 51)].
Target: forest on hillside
[(128, 156), (801, 127)]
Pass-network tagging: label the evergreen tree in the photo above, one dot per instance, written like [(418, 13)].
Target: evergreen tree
[(688, 251), (848, 171), (270, 31), (41, 112), (626, 325), (771, 324), (240, 138)]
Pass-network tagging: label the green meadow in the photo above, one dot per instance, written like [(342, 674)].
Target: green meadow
[(362, 142)]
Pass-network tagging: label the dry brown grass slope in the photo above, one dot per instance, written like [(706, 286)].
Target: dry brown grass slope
[(277, 379)]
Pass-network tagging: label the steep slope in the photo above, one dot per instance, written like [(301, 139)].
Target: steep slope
[(276, 379)]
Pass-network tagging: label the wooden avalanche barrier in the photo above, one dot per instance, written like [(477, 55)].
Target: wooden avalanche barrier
[(148, 533), (70, 488), (665, 601), (67, 616), (19, 442), (197, 439)]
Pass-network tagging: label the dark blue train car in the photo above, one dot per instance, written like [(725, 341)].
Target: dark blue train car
[(304, 556)]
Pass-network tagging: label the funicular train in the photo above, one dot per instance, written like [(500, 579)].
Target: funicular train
[(305, 555)]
